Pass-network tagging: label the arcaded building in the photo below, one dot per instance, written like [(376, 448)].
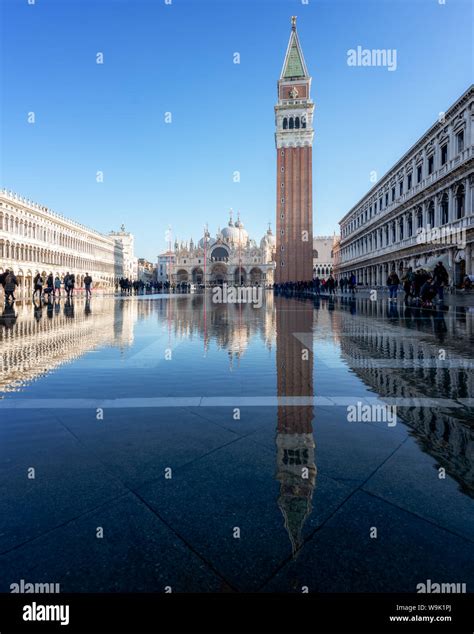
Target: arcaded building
[(34, 239), (421, 211)]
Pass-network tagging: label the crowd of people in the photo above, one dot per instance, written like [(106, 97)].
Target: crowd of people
[(138, 287), (321, 286), (46, 287), (421, 287)]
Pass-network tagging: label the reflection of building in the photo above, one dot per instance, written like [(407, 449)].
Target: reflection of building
[(35, 340), (296, 468), (398, 355), (294, 140), (229, 327), (231, 257), (127, 242), (431, 186), (323, 256), (35, 239)]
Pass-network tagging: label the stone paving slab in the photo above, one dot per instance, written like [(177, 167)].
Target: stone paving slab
[(137, 553), (68, 480), (236, 486), (410, 479), (137, 447), (341, 556)]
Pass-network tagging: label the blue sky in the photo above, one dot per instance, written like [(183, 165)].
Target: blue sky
[(178, 58)]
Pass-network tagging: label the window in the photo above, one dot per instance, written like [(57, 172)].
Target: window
[(386, 199), (460, 202), (444, 154), (430, 164), (303, 122), (292, 123), (380, 205), (409, 179), (410, 226), (400, 227), (285, 123), (393, 194), (419, 220), (460, 141), (297, 122), (431, 215), (444, 209), (419, 173), (401, 188)]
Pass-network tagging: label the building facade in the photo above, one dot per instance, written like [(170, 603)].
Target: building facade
[(35, 239), (421, 211), (146, 271), (231, 257), (323, 256), (294, 140), (126, 240)]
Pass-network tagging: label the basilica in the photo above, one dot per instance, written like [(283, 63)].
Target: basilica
[(230, 257)]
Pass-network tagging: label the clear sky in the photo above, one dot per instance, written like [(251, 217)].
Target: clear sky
[(179, 58)]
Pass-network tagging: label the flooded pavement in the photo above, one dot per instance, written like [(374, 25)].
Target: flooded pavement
[(170, 442)]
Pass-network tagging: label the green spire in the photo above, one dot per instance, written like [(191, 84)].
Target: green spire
[(294, 64)]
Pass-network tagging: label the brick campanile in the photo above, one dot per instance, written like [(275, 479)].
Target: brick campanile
[(294, 140)]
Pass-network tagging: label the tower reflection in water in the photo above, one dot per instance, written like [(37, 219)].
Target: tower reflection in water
[(296, 468)]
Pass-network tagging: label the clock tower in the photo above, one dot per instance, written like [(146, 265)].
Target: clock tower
[(294, 140)]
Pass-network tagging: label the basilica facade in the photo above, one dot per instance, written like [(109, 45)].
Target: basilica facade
[(231, 257)]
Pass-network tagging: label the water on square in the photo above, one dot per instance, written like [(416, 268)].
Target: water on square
[(158, 442)]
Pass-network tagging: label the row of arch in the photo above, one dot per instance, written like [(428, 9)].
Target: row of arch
[(458, 190), (219, 274), (20, 252), (407, 223), (23, 227), (291, 123)]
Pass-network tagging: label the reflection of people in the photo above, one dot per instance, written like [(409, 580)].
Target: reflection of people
[(8, 317), (37, 309), (87, 307), (69, 308)]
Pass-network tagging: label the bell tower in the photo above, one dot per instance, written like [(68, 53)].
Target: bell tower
[(294, 140)]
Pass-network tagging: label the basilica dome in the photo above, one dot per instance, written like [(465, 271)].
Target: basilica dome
[(235, 233), (268, 240)]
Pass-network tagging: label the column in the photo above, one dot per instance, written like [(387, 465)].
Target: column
[(451, 210), (468, 257)]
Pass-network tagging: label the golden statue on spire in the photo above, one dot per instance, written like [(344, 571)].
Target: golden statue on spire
[(293, 22)]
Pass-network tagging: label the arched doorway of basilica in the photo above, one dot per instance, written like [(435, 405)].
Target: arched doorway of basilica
[(240, 276), (256, 276), (182, 276), (198, 275), (219, 274)]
